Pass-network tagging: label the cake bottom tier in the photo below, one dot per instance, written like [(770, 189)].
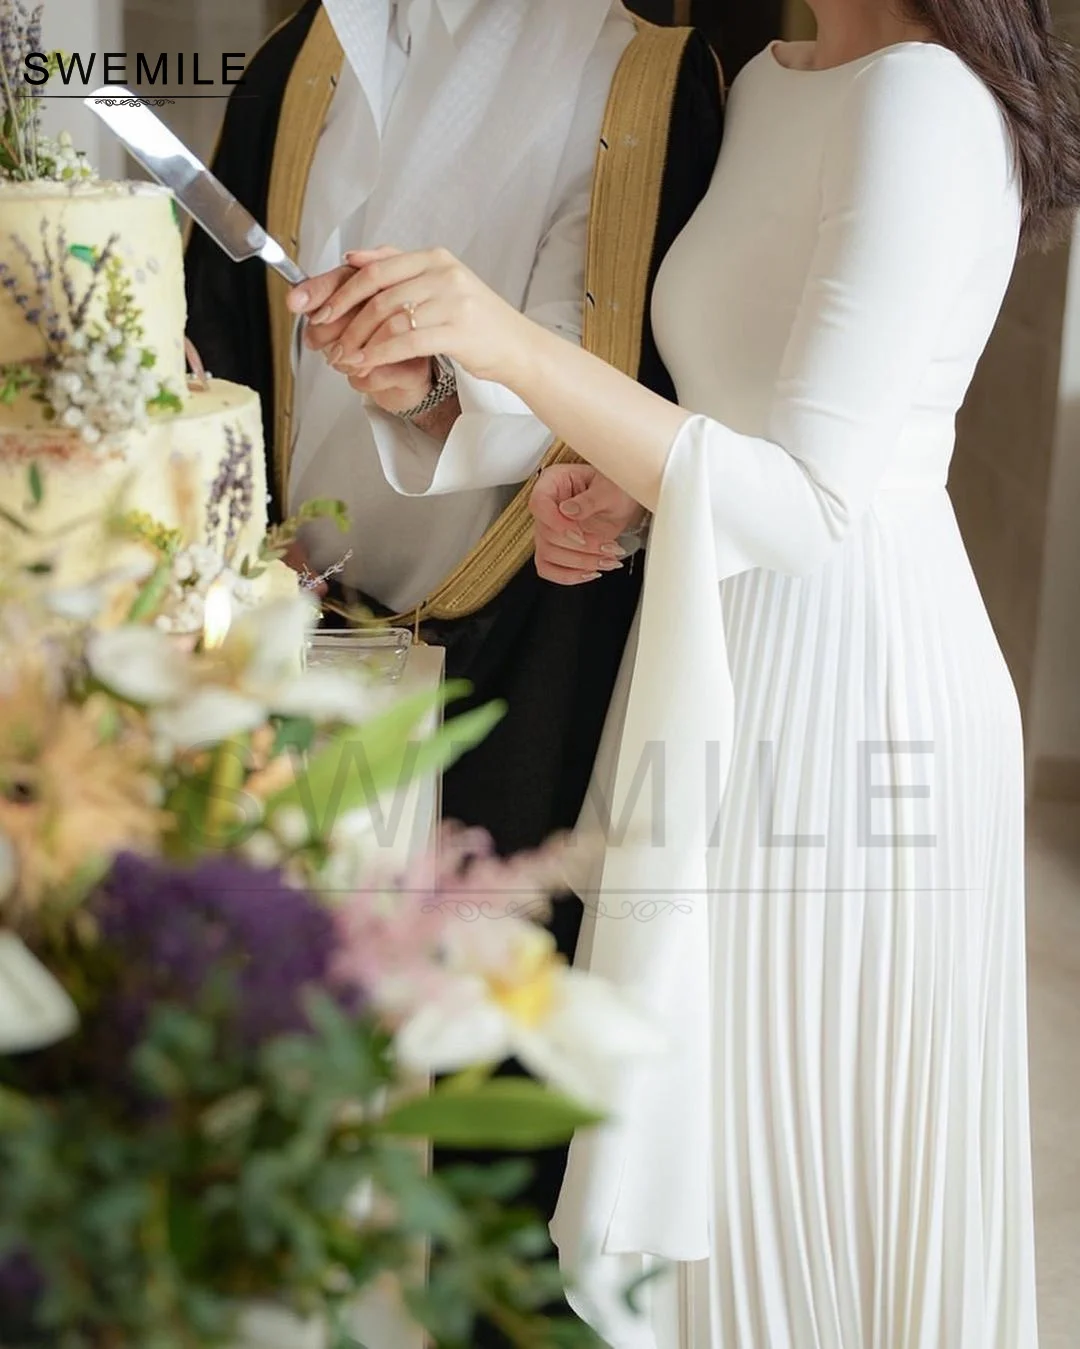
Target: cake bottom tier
[(201, 471)]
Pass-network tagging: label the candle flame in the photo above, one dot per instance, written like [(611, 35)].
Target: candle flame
[(217, 615)]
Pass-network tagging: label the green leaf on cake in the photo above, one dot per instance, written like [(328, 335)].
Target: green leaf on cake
[(36, 485), (165, 401), (14, 379), (177, 216), (85, 253)]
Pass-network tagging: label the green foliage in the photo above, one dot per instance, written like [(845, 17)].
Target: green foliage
[(387, 751), (502, 1113), (279, 537), (151, 594), (153, 1225), (16, 379)]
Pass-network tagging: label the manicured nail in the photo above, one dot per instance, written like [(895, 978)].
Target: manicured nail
[(576, 536), (613, 549), (570, 509), (335, 353), (300, 299), (610, 566), (324, 315), (590, 576)]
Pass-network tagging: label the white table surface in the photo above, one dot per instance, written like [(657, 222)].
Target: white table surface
[(408, 817)]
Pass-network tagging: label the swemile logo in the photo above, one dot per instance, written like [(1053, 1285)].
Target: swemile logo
[(114, 68)]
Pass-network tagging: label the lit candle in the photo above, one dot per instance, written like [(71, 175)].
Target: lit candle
[(217, 615)]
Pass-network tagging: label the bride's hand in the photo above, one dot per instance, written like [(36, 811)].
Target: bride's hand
[(412, 306), (324, 300), (578, 517)]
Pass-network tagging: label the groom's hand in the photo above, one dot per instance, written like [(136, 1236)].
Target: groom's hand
[(578, 516)]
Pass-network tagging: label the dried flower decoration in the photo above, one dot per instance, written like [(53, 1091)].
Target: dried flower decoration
[(98, 378), (232, 494), (26, 154)]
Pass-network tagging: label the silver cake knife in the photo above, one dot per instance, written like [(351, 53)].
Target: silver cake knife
[(233, 228)]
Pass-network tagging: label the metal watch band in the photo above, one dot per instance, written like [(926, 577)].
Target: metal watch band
[(444, 388)]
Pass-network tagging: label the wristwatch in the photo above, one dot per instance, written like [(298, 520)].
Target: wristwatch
[(635, 538), (443, 388)]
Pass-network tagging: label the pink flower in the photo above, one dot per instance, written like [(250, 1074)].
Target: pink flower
[(401, 940)]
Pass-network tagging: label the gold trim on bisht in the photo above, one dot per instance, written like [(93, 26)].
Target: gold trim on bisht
[(304, 110), (630, 165)]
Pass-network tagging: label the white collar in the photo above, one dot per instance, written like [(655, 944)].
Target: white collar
[(454, 14)]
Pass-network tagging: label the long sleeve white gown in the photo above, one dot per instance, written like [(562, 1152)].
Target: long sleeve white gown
[(864, 1180)]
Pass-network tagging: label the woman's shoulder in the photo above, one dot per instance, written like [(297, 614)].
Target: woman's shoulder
[(927, 84)]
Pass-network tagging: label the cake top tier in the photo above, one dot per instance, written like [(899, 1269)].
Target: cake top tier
[(91, 274), (46, 188)]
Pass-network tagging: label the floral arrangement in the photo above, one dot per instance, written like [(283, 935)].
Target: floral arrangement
[(204, 554), (25, 152), (98, 378), (216, 1018)]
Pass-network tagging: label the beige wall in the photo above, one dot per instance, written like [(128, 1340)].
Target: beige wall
[(84, 26), (210, 27), (1054, 731), (1016, 488), (1000, 482)]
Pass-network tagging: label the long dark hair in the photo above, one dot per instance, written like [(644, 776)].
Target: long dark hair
[(1035, 77)]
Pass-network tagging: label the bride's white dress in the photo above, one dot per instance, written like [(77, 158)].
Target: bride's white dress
[(868, 1183)]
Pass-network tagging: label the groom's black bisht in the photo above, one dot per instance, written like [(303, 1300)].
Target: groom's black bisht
[(551, 653)]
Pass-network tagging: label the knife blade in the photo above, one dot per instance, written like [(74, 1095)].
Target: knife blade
[(233, 228)]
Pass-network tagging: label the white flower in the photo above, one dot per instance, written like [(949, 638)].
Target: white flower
[(513, 997), (202, 700), (207, 717), (34, 1010), (139, 664), (325, 695), (83, 603), (183, 567), (72, 417), (291, 827), (8, 867), (261, 849)]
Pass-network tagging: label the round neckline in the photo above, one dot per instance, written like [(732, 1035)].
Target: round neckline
[(843, 65)]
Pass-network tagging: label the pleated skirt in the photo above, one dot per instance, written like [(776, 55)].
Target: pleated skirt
[(872, 1167)]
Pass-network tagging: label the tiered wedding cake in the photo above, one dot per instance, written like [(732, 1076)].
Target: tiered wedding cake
[(94, 389)]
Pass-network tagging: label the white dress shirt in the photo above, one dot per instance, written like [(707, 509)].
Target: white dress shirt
[(417, 506)]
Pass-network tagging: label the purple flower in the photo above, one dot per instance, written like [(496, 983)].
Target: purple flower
[(21, 1288), (171, 931), (233, 490)]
